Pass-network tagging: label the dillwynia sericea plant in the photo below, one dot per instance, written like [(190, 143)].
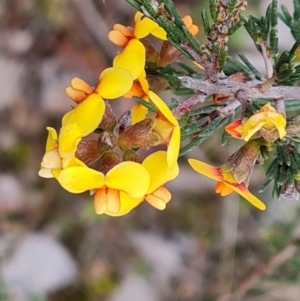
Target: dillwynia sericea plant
[(221, 92)]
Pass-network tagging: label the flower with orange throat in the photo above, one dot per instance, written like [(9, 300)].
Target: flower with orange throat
[(117, 202), (266, 123), (234, 174), (113, 83)]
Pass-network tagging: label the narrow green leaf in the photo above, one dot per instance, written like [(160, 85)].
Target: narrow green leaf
[(265, 185), (205, 22), (184, 91), (255, 72), (264, 28), (274, 30), (272, 170), (287, 16), (146, 104), (213, 10), (296, 9), (135, 4)]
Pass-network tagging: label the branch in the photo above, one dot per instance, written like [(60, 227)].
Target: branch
[(189, 103), (251, 90)]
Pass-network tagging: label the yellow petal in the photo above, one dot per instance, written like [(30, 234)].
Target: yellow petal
[(52, 141), (87, 114), (76, 95), (143, 27), (242, 190), (159, 198), (69, 137), (223, 189), (280, 123), (162, 107), (159, 171), (159, 33), (132, 58), (78, 179), (113, 200), (252, 125), (156, 202), (100, 200), (187, 20), (206, 170), (174, 147), (143, 82), (138, 113), (127, 203), (51, 159), (79, 84), (114, 82), (129, 177), (45, 173)]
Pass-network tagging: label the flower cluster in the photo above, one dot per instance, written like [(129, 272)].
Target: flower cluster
[(96, 151), (110, 166)]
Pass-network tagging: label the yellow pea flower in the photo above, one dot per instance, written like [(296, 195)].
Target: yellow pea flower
[(266, 123), (125, 186), (60, 150), (113, 83), (235, 173), (226, 184), (118, 202)]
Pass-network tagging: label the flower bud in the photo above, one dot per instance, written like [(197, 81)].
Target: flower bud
[(239, 166), (157, 83), (107, 141), (131, 155), (139, 135), (109, 160), (168, 54), (108, 121), (88, 151)]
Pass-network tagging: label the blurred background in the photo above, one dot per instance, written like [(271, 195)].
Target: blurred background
[(52, 244)]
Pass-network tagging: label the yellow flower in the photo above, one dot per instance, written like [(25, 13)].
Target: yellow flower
[(266, 123), (125, 186), (60, 150), (76, 124), (157, 195), (113, 83), (226, 182), (117, 202), (133, 56), (167, 127), (145, 26)]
